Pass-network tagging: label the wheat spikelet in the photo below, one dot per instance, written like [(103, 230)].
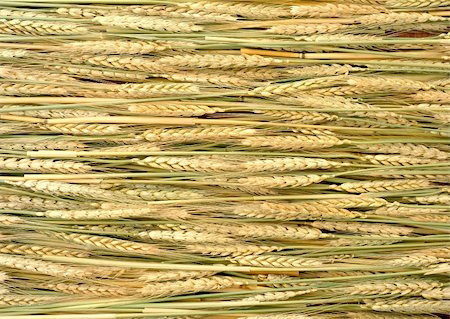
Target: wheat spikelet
[(280, 164), (24, 300), (418, 260), (86, 12), (297, 142), (216, 61), (247, 10), (321, 70), (431, 97), (43, 165), (171, 275), (305, 29), (146, 23), (186, 163), (299, 117), (44, 267), (293, 88), (410, 305), (357, 201), (438, 294), (115, 46), (117, 213), (142, 90), (275, 261), (403, 287), (441, 199), (184, 236), (397, 160), (6, 220), (275, 181), (167, 109), (67, 189), (36, 250), (182, 12), (33, 75), (216, 78), (83, 129), (109, 243), (398, 18), (100, 74), (36, 27), (138, 147), (153, 192), (198, 133), (416, 3), (358, 227), (35, 203), (375, 315), (230, 250), (399, 211), (333, 10), (189, 286), (26, 89), (382, 185), (407, 149), (367, 240), (291, 211), (89, 289), (278, 295)]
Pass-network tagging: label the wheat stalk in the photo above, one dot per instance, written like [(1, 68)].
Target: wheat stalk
[(172, 275), (188, 286), (358, 227), (274, 261), (167, 109), (43, 166), (37, 250), (248, 10), (292, 211), (109, 243), (382, 185), (146, 23), (410, 305)]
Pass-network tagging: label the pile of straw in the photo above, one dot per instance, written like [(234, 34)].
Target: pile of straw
[(215, 159)]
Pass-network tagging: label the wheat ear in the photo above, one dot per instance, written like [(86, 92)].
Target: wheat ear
[(37, 27), (89, 289), (274, 261), (382, 185), (37, 250), (230, 250), (411, 305), (358, 227), (43, 165), (172, 275)]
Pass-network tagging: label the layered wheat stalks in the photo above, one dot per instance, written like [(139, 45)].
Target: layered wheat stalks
[(224, 159)]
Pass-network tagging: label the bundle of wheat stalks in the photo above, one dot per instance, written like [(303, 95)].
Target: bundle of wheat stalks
[(268, 159)]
